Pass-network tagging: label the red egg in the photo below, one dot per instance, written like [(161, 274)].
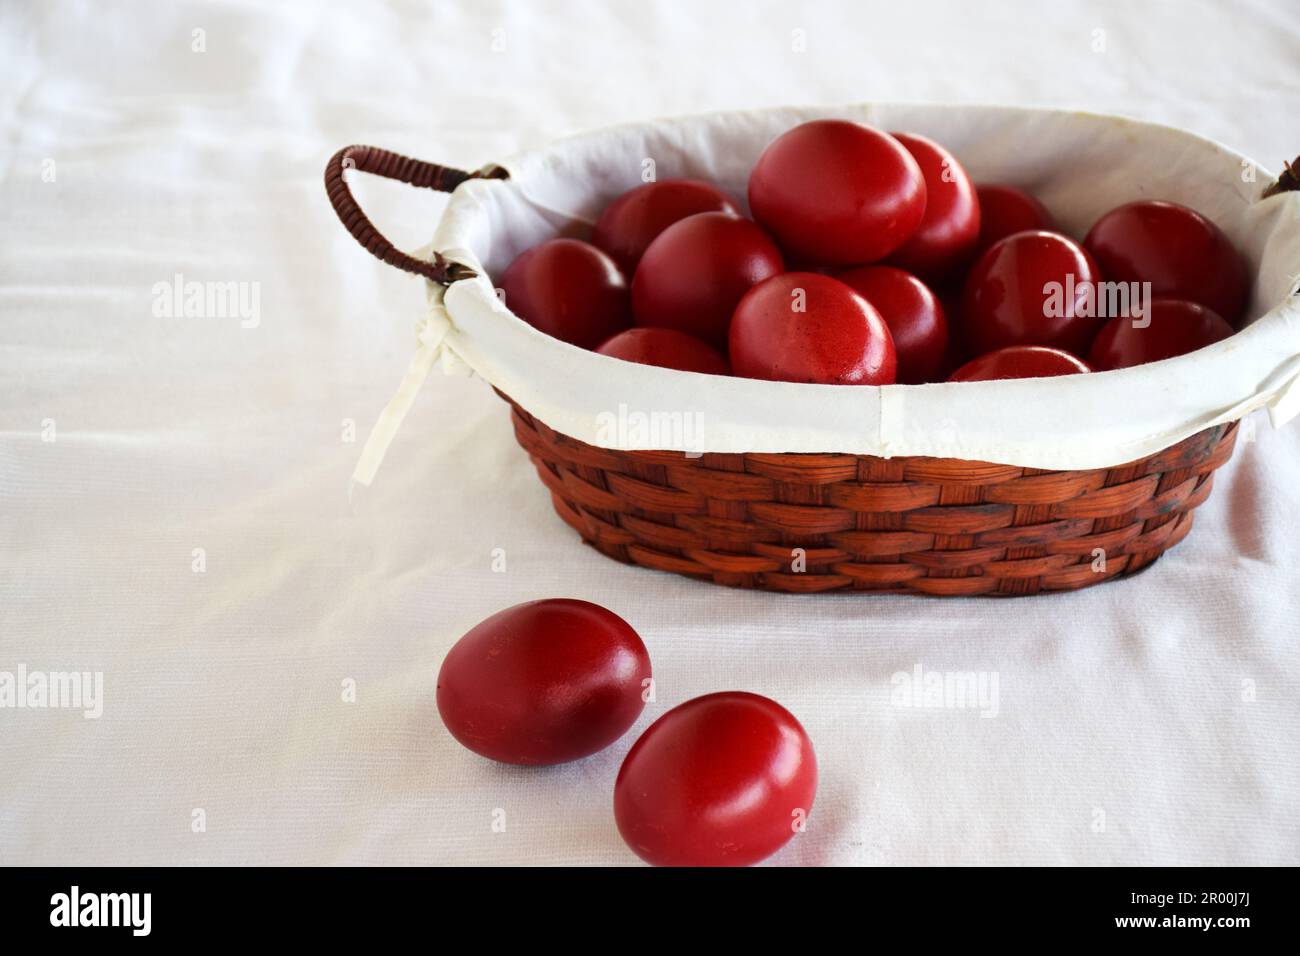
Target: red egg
[(1020, 361), (1172, 327), (568, 289), (1032, 288), (913, 313), (632, 221), (1180, 252), (1005, 210), (666, 348), (945, 239), (805, 327), (722, 780), (544, 682), (694, 273), (837, 193)]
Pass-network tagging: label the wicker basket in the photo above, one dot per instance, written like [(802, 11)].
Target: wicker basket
[(835, 522)]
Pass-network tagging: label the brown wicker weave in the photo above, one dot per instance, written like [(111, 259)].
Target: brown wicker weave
[(939, 526), (810, 522)]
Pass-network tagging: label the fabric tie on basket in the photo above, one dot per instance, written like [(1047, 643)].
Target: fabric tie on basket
[(431, 333)]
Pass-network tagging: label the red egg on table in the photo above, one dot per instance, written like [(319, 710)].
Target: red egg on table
[(722, 780), (544, 682)]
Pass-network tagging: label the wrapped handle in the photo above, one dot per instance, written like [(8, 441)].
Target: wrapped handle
[(390, 165)]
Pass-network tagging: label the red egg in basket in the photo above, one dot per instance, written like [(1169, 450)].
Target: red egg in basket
[(635, 219), (1020, 361), (568, 289), (1032, 288), (1180, 252), (666, 348), (1005, 210), (1172, 327), (694, 273), (837, 193), (945, 239), (914, 315), (805, 327)]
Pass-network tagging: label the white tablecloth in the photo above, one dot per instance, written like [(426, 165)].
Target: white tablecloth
[(174, 508)]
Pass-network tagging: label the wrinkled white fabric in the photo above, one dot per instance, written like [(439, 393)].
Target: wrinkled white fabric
[(174, 507)]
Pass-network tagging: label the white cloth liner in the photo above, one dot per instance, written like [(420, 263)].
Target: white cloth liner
[(1079, 164)]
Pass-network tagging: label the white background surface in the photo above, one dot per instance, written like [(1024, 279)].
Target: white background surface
[(1127, 703)]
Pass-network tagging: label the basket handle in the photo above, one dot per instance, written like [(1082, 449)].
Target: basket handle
[(1288, 181), (390, 165)]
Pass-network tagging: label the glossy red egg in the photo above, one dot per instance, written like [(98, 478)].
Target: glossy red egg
[(837, 193), (950, 226), (1020, 361), (666, 348), (1180, 252), (1173, 327), (722, 780), (694, 273), (568, 289), (635, 219), (806, 327), (914, 315), (1005, 210), (1032, 288), (544, 682)]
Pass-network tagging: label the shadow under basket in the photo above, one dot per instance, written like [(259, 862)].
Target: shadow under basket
[(939, 526)]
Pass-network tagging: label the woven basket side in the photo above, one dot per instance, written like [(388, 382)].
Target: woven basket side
[(807, 523)]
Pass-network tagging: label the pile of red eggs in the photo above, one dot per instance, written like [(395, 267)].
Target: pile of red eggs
[(725, 779), (872, 258)]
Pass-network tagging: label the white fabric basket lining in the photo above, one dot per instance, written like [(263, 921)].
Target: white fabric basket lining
[(1079, 164)]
